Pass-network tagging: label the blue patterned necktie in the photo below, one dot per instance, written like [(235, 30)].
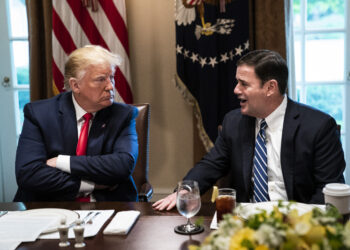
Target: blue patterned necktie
[(261, 192)]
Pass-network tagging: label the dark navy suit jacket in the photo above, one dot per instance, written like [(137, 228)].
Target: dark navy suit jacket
[(50, 129), (311, 154)]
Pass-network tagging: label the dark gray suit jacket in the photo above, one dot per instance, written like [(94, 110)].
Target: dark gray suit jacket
[(50, 129), (311, 154)]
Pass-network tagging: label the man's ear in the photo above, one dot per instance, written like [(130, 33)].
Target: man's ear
[(74, 85), (272, 87)]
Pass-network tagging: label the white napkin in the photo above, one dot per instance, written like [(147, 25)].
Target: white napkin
[(122, 223), (214, 222)]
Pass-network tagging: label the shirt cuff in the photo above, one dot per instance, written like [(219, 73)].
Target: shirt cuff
[(63, 163), (86, 186)]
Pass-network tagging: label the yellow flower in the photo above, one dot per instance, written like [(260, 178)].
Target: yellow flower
[(293, 217), (306, 217), (315, 247), (193, 247), (243, 234), (302, 245), (331, 229), (261, 247), (293, 241), (315, 235)]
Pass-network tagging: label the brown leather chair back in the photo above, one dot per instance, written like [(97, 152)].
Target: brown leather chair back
[(140, 174)]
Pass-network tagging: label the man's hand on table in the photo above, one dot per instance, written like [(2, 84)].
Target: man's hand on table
[(167, 203)]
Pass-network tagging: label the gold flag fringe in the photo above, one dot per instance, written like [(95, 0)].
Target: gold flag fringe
[(208, 144)]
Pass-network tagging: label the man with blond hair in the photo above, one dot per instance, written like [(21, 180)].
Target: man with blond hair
[(79, 145)]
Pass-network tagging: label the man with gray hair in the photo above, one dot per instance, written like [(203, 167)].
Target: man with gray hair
[(79, 145)]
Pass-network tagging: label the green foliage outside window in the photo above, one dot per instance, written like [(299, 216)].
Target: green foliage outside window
[(22, 75), (328, 99)]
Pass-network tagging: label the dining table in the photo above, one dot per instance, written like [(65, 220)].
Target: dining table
[(153, 230)]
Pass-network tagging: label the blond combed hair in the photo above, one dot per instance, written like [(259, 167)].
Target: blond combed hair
[(83, 57)]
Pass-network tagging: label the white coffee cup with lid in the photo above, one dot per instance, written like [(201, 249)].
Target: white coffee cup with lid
[(338, 194)]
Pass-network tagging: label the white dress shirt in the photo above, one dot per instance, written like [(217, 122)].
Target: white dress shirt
[(277, 189), (63, 161)]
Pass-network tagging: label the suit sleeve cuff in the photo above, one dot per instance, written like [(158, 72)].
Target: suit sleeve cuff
[(63, 163), (86, 186)]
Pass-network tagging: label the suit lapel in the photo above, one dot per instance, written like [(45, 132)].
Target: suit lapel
[(68, 124), (290, 126), (97, 132), (247, 127)]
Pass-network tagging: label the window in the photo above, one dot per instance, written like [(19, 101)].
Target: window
[(18, 37), (321, 55)]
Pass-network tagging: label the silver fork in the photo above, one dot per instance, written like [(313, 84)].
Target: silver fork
[(83, 221), (86, 217), (93, 217)]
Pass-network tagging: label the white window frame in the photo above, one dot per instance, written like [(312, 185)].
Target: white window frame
[(345, 129)]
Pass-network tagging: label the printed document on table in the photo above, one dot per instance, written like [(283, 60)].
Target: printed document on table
[(14, 227), (9, 245)]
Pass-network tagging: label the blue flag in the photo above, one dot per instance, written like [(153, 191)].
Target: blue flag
[(211, 35)]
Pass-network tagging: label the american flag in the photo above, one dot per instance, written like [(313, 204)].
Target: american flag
[(210, 37), (76, 24)]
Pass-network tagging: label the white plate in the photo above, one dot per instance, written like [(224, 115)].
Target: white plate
[(69, 215), (249, 209)]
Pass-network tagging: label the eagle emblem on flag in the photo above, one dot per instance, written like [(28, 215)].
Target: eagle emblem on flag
[(186, 14)]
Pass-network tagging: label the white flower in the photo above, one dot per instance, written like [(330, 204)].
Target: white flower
[(222, 243), (302, 228), (324, 220), (268, 235), (346, 235)]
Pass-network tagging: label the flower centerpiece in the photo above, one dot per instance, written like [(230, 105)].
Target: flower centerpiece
[(282, 228)]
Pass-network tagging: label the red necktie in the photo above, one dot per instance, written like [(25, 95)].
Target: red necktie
[(82, 144), (84, 133)]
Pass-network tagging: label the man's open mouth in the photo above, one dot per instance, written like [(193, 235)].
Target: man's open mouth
[(242, 101)]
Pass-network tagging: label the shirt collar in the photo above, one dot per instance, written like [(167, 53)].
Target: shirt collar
[(274, 119), (79, 111)]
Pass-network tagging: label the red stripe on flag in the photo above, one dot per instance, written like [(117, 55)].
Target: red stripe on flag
[(62, 34), (123, 87), (57, 75), (86, 23), (117, 22)]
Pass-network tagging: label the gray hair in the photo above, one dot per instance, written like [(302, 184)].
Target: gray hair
[(83, 57)]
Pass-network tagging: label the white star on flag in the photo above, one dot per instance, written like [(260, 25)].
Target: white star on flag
[(232, 55), (246, 45), (213, 61), (224, 58), (194, 57), (186, 53), (203, 61), (239, 50), (178, 49)]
